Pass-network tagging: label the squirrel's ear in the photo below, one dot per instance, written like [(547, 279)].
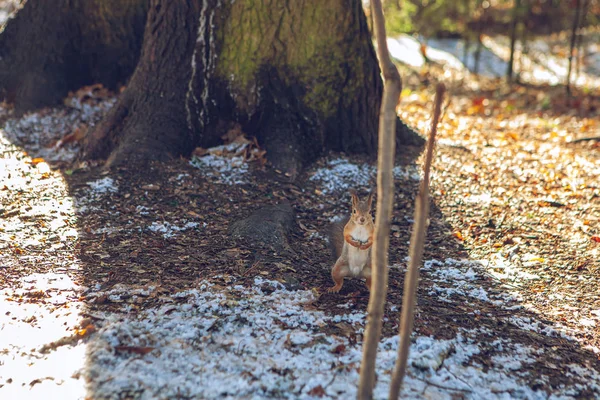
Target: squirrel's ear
[(354, 197), (370, 200)]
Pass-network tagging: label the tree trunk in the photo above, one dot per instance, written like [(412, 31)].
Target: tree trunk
[(52, 47), (301, 76), (513, 39), (574, 30), (477, 56)]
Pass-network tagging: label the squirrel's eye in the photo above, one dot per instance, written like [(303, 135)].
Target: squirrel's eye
[(353, 211)]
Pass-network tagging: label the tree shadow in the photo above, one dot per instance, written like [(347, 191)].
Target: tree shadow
[(146, 233)]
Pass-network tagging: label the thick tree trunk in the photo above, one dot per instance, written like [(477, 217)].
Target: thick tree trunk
[(301, 76), (52, 47)]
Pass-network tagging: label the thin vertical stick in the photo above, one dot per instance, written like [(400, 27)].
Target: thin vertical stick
[(385, 202), (573, 41), (513, 39), (417, 243)]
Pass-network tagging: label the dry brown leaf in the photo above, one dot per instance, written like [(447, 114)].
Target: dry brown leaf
[(135, 349), (317, 391), (199, 152), (77, 135)]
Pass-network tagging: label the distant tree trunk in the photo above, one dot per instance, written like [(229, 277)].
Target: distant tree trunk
[(477, 54), (579, 46), (466, 47), (479, 25), (301, 76), (574, 31), (513, 39), (52, 47)]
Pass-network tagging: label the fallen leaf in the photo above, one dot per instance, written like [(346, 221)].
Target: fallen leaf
[(36, 161), (317, 391), (135, 349), (339, 349)]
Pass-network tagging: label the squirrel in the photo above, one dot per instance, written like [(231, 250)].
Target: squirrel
[(351, 239)]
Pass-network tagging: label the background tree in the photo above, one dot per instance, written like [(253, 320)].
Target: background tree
[(301, 76), (52, 47)]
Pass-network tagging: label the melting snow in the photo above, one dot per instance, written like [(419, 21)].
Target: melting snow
[(263, 343), (341, 174), (104, 185), (168, 230), (228, 170)]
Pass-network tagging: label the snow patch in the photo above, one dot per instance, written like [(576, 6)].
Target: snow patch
[(169, 230), (261, 342), (341, 174), (227, 170), (104, 185)]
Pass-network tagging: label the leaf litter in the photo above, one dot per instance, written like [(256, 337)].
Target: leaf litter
[(142, 313)]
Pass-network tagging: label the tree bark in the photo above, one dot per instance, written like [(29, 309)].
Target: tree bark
[(513, 39), (301, 76), (52, 47), (574, 31)]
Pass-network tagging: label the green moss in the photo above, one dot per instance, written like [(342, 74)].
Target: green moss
[(302, 40)]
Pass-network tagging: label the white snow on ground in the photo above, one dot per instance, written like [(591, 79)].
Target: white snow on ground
[(227, 170), (228, 163), (341, 174), (406, 49), (539, 65), (232, 342), (169, 230), (40, 129), (264, 342), (104, 185)]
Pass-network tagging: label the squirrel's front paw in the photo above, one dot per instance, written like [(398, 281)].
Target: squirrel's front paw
[(334, 289)]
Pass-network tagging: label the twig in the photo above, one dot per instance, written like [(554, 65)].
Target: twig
[(392, 88), (585, 139), (440, 386), (417, 243), (445, 108)]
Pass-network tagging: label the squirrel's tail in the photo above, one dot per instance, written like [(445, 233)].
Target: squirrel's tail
[(336, 236)]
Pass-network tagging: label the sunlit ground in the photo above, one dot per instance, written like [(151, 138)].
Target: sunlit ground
[(38, 279), (521, 196)]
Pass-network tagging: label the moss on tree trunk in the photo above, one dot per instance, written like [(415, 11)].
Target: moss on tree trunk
[(301, 76)]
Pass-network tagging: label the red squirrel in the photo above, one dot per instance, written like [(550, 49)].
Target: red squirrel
[(351, 240)]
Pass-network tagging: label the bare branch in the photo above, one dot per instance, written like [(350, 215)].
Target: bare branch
[(385, 202), (417, 243)]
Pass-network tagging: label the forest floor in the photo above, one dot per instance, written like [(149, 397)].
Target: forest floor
[(125, 283)]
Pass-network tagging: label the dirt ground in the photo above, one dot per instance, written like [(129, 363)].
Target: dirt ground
[(515, 195)]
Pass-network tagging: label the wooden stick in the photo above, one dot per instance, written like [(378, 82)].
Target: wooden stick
[(385, 202), (417, 244)]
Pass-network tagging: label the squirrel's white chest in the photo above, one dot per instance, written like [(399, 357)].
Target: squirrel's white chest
[(360, 233), (357, 258)]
